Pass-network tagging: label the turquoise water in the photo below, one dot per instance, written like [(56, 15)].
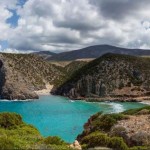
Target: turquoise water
[(54, 115)]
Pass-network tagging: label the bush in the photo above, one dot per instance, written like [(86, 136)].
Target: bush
[(117, 143), (95, 139), (54, 140), (105, 122), (6, 143), (119, 131), (100, 139), (10, 120), (135, 111)]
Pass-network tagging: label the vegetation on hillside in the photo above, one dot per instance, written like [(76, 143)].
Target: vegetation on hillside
[(100, 130), (68, 71), (107, 74), (34, 69)]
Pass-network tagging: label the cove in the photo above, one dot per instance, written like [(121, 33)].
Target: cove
[(59, 116)]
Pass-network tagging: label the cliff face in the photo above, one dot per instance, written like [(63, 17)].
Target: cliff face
[(111, 75), (21, 75)]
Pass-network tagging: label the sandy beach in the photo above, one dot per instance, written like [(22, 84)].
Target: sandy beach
[(45, 91)]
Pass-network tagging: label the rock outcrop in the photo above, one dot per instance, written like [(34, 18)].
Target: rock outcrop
[(111, 75), (22, 74), (132, 127), (76, 145)]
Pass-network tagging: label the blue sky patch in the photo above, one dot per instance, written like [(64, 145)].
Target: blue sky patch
[(4, 44), (13, 21)]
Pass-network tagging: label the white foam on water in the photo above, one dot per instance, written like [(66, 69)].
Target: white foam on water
[(4, 100), (72, 101), (117, 108), (28, 100)]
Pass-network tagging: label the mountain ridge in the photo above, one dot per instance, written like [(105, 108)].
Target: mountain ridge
[(95, 52)]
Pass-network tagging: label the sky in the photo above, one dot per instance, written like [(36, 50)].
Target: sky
[(63, 25)]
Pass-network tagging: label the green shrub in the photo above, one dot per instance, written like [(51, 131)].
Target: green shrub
[(10, 120), (105, 122), (118, 131), (54, 140), (135, 111), (6, 143), (100, 139), (95, 139), (117, 143)]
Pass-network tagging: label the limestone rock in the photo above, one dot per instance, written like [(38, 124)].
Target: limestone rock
[(76, 145)]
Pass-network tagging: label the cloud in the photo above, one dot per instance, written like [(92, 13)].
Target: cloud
[(10, 50), (121, 9), (61, 25)]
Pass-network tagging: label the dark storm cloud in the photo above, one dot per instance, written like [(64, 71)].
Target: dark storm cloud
[(119, 9), (77, 25)]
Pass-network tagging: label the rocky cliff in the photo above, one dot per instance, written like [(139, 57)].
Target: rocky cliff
[(112, 75), (21, 75)]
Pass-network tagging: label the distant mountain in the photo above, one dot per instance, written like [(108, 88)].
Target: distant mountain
[(44, 54), (111, 75), (95, 52)]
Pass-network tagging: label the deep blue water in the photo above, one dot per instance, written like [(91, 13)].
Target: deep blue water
[(54, 115)]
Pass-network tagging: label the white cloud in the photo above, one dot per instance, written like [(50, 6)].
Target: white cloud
[(5, 5), (9, 50), (60, 25)]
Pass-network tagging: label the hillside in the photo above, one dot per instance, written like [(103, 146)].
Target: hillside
[(68, 71), (112, 75), (95, 52), (129, 130), (22, 74)]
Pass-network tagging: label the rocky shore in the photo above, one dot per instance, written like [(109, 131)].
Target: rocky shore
[(144, 99), (128, 130)]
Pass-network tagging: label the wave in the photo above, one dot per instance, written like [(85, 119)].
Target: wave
[(117, 108), (28, 100), (72, 101)]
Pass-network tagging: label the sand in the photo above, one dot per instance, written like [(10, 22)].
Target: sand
[(45, 91)]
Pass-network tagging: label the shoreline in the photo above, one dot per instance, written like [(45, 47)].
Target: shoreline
[(141, 99)]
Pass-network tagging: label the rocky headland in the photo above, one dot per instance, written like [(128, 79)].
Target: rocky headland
[(112, 77), (129, 130), (23, 74)]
